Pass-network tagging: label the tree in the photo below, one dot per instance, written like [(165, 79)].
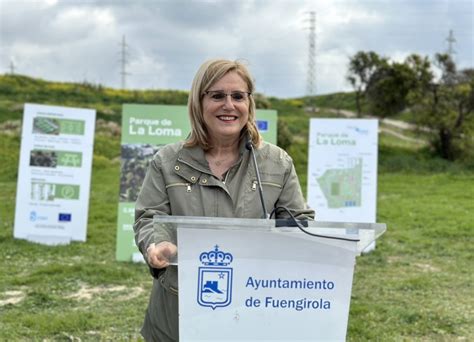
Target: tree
[(421, 68), (284, 138), (446, 107), (388, 88), (361, 68)]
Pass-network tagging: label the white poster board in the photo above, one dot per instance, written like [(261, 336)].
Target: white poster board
[(54, 174), (244, 285), (342, 169)]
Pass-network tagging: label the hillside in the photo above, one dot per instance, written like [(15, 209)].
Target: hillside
[(15, 90), (416, 285)]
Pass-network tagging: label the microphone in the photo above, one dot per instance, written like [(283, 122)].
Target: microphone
[(249, 146)]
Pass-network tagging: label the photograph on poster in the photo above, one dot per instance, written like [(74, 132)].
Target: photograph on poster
[(43, 158), (134, 163), (42, 125)]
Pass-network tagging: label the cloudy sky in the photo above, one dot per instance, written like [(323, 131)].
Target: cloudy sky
[(167, 40)]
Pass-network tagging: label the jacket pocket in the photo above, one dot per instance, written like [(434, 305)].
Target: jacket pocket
[(169, 280), (186, 185), (185, 198), (271, 188)]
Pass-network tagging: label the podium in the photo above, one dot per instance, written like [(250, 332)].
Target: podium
[(247, 280)]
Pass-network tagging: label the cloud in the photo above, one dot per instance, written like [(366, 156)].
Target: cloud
[(167, 40)]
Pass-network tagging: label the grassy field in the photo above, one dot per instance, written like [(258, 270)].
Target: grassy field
[(417, 285)]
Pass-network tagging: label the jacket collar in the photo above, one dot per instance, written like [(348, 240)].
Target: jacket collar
[(195, 157)]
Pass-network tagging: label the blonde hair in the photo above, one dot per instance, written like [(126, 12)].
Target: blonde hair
[(209, 73)]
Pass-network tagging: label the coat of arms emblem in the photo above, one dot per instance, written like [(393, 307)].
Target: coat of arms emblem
[(215, 279)]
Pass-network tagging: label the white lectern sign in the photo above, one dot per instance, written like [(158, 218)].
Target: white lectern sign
[(54, 173), (245, 285)]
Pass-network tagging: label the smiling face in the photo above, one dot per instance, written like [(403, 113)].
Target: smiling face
[(224, 120)]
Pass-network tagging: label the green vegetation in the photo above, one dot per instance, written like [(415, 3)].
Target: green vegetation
[(416, 285), (441, 106), (15, 90)]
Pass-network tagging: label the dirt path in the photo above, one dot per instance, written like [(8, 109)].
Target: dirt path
[(402, 137), (387, 122)]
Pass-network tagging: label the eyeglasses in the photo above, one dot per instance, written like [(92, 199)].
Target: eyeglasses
[(220, 96)]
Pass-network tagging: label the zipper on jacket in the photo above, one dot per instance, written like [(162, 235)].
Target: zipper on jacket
[(187, 185), (276, 185), (255, 183)]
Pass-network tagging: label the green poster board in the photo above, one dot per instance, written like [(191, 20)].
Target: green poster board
[(145, 128)]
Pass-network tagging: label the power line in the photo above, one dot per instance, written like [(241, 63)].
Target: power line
[(12, 67), (311, 76), (123, 62), (451, 40)]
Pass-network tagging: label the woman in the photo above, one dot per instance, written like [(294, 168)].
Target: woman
[(209, 174)]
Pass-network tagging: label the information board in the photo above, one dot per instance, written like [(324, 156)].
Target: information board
[(54, 174), (342, 169), (145, 128)]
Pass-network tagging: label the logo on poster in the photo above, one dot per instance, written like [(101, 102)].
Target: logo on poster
[(215, 279), (34, 216), (64, 217), (359, 130), (262, 125)]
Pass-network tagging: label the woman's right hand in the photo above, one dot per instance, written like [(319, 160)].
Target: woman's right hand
[(159, 255)]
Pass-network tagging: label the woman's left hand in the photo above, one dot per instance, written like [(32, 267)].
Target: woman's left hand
[(159, 255)]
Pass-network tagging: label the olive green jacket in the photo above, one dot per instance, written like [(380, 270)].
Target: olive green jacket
[(179, 182)]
